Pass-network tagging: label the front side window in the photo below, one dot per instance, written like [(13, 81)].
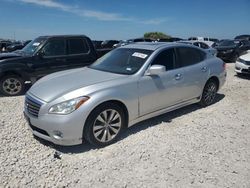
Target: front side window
[(55, 47), (78, 46), (34, 45), (165, 58), (189, 56), (122, 61)]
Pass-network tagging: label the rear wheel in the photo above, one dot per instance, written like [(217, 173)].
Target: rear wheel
[(104, 124), (11, 85), (209, 93)]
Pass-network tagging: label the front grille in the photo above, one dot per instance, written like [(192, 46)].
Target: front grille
[(32, 105), (39, 130), (245, 71), (247, 62)]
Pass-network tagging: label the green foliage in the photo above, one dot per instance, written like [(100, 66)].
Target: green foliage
[(156, 35)]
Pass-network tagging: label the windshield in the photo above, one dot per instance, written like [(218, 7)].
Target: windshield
[(122, 61), (31, 47)]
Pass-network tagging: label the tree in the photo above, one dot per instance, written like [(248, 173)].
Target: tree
[(156, 35)]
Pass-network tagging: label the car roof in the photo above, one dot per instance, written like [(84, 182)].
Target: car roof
[(153, 45), (61, 36)]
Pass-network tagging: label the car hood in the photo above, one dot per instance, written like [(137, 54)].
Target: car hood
[(246, 57), (9, 55), (58, 84)]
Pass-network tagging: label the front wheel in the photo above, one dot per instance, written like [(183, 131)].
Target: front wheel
[(104, 124), (209, 93), (11, 85)]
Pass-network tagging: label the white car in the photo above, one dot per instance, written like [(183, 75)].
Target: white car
[(242, 64), (209, 41)]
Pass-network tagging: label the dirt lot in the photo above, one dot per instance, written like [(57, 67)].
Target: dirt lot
[(190, 147)]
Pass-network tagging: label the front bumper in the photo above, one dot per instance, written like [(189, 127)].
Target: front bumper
[(58, 129), (54, 130), (242, 68)]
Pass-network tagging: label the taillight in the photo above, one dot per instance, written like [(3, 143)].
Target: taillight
[(224, 66)]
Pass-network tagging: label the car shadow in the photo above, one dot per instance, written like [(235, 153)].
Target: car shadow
[(167, 117), (243, 76)]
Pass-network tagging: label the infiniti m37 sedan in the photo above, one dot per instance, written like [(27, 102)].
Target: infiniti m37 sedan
[(127, 85)]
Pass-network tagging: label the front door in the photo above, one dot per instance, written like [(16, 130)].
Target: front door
[(160, 91), (54, 55)]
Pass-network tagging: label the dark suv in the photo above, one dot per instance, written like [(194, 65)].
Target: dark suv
[(42, 56), (230, 50)]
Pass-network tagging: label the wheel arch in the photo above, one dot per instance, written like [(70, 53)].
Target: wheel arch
[(216, 79), (14, 72), (117, 102)]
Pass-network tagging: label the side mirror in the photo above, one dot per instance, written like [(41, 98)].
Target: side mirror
[(40, 54), (156, 70)]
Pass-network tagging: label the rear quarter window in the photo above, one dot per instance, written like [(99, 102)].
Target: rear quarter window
[(77, 46), (189, 56)]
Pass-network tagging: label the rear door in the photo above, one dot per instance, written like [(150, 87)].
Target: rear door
[(79, 52), (195, 71)]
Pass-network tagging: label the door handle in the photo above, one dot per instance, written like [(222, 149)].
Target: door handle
[(204, 69), (178, 76)]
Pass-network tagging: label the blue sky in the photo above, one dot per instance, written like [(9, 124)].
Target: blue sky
[(119, 19)]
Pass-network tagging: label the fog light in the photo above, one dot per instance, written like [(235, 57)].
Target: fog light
[(57, 135)]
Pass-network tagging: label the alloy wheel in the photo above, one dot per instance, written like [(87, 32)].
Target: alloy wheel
[(210, 93), (12, 86), (107, 125)]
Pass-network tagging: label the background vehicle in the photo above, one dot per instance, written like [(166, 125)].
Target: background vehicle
[(230, 50), (242, 37), (97, 44), (109, 43), (202, 45), (42, 56), (128, 85), (242, 64), (209, 41), (130, 41), (17, 46), (3, 45)]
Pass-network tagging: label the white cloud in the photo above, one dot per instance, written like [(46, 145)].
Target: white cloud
[(155, 21), (49, 3), (99, 15), (80, 12)]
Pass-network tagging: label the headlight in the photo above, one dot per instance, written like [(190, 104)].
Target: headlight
[(241, 60), (68, 106), (229, 51)]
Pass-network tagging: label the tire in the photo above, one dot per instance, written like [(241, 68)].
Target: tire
[(209, 93), (104, 124), (11, 85)]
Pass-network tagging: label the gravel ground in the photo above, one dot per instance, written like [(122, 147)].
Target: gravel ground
[(190, 147)]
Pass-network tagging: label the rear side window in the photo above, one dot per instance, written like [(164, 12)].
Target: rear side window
[(165, 58), (189, 56), (77, 46)]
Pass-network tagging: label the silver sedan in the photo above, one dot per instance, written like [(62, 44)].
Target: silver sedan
[(124, 87)]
